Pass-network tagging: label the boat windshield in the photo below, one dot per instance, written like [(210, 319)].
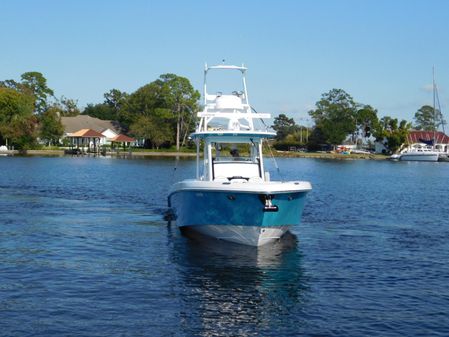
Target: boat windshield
[(225, 152)]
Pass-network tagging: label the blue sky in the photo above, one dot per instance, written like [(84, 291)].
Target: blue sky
[(380, 51)]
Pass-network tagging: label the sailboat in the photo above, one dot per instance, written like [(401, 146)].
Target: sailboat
[(232, 197), (425, 150), (442, 149)]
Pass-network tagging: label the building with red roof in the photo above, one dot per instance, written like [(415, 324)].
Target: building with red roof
[(122, 139), (86, 133), (436, 138), (86, 138), (417, 136)]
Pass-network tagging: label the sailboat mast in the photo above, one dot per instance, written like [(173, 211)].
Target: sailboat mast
[(438, 105), (434, 111)]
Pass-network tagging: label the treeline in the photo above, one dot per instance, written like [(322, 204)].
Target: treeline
[(161, 112), (337, 117), (29, 110)]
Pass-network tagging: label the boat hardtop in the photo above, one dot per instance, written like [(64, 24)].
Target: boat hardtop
[(233, 107)]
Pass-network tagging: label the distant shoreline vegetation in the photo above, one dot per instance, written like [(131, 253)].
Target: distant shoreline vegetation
[(162, 113)]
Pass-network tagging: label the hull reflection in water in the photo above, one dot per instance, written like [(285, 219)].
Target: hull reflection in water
[(231, 289), (265, 256)]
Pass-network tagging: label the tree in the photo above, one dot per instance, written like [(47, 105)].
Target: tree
[(20, 88), (391, 132), (16, 118), (316, 139), (51, 128), (148, 102), (115, 99), (101, 111), (14, 104), (37, 84), (145, 101), (284, 126), (335, 115), (11, 84), (169, 100), (68, 107), (182, 100), (154, 133), (113, 107), (428, 119), (367, 120), (22, 132)]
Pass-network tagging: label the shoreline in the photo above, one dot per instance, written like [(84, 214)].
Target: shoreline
[(327, 155), (143, 154)]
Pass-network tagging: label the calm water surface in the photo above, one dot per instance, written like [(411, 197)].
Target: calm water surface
[(84, 251)]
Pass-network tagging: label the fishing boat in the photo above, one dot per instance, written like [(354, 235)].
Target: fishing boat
[(232, 198)]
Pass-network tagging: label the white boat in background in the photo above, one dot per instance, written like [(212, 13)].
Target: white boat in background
[(232, 197), (426, 145), (419, 153)]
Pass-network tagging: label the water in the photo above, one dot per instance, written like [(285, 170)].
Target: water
[(84, 251)]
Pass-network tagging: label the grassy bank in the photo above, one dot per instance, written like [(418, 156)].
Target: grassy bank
[(150, 153), (327, 155)]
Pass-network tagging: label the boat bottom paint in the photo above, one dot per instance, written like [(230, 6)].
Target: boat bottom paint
[(245, 235)]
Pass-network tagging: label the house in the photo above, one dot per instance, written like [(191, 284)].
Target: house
[(109, 130), (380, 146), (109, 135), (76, 123), (433, 138), (87, 139)]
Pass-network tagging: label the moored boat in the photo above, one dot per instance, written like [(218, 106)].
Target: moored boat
[(419, 153), (427, 145), (232, 197)]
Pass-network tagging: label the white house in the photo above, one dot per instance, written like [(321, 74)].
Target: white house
[(109, 136)]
